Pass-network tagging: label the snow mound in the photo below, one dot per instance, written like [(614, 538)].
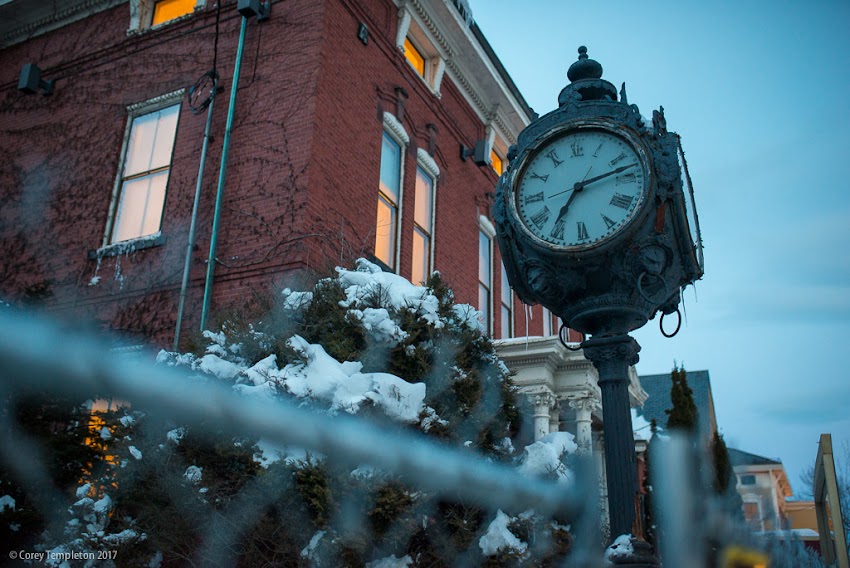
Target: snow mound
[(619, 548), (499, 538), (322, 377), (7, 502), (391, 562), (296, 301), (368, 281), (193, 474), (545, 456)]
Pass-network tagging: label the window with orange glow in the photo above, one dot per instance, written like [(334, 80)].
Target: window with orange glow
[(422, 216), (414, 56), (389, 191), (144, 175), (485, 279), (167, 10), (507, 311), (496, 162)]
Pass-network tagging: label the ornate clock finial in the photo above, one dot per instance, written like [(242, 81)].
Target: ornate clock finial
[(586, 83), (584, 68)]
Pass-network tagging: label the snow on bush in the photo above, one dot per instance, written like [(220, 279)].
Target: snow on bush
[(7, 502), (368, 343), (545, 457), (621, 547), (499, 539)]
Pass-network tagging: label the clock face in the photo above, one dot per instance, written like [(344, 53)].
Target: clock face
[(581, 188)]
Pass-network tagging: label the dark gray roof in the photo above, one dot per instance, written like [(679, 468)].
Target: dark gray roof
[(737, 457), (658, 389)]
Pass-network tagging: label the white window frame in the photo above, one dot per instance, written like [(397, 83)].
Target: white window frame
[(547, 323), (426, 163), (510, 306), (395, 130), (411, 26), (496, 144), (486, 228), (135, 111)]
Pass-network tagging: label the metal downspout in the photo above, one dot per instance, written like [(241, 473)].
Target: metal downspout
[(185, 285), (222, 174)]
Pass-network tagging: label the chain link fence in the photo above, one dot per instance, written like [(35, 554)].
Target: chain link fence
[(40, 359)]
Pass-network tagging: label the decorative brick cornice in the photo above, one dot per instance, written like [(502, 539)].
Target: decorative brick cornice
[(429, 24), (56, 20), (427, 162), (392, 124)]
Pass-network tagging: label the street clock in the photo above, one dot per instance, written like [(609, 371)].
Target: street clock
[(595, 214), (596, 221)]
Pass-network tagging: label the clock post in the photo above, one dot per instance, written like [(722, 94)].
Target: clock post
[(596, 221)]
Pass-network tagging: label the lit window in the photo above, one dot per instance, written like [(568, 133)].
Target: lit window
[(507, 311), (388, 200), (422, 225), (144, 175), (496, 162), (414, 56), (485, 279), (167, 10)]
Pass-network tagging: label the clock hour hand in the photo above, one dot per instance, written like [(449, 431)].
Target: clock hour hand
[(566, 206)]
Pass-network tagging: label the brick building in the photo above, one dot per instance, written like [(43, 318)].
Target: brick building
[(343, 108), (373, 128)]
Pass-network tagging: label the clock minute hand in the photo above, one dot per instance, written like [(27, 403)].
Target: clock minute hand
[(582, 184)]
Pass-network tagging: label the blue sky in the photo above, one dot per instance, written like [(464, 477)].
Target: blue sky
[(760, 93)]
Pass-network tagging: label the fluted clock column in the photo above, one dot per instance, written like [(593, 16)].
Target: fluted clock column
[(612, 356)]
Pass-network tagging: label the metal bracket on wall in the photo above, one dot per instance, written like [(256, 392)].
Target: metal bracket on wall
[(478, 153), (258, 8), (30, 81)]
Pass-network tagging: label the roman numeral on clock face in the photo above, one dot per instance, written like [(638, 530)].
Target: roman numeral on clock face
[(622, 201), (558, 230), (577, 149), (533, 175), (618, 159), (630, 177), (608, 222), (540, 218), (554, 157), (534, 198), (582, 231)]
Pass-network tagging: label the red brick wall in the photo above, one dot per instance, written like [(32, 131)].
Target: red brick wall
[(61, 155), (302, 173)]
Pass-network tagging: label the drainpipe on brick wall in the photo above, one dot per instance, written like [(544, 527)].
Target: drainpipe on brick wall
[(222, 174), (186, 268)]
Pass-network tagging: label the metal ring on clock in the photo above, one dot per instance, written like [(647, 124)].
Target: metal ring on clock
[(678, 325), (643, 294), (562, 336)]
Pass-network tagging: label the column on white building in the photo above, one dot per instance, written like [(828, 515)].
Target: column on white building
[(555, 417), (584, 408), (543, 404)]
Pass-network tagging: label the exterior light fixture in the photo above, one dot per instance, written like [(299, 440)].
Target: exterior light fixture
[(30, 81), (478, 153)]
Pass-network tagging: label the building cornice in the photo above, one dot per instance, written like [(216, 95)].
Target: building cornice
[(34, 25)]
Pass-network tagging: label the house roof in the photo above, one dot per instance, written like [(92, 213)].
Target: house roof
[(737, 457), (658, 389)]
